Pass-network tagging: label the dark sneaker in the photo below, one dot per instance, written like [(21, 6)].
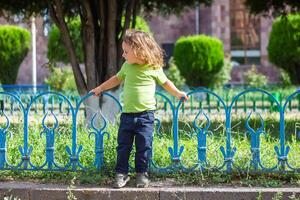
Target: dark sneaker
[(121, 180), (142, 180)]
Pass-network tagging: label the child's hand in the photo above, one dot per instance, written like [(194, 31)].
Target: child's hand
[(182, 95), (97, 91)]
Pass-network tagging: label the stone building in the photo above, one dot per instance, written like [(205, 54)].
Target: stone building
[(245, 37)]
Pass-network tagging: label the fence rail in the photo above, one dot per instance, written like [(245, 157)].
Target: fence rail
[(74, 149)]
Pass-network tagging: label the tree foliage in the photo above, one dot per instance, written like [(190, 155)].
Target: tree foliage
[(57, 51), (254, 78), (278, 7), (284, 45), (174, 75), (61, 79), (199, 58), (14, 46), (224, 75)]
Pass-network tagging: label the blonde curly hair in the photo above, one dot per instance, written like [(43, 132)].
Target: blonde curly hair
[(144, 47)]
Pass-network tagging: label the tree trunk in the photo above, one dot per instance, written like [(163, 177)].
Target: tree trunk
[(109, 109), (128, 13), (111, 39), (58, 17), (88, 35), (89, 28), (293, 73)]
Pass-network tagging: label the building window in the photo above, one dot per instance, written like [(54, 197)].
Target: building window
[(245, 34)]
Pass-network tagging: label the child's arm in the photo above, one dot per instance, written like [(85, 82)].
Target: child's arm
[(172, 89), (110, 83)]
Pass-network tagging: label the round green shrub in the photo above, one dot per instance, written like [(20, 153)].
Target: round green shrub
[(199, 58), (14, 46), (284, 45)]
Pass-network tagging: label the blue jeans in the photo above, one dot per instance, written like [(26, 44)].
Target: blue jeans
[(136, 127)]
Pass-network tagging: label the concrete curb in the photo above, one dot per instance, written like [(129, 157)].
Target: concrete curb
[(33, 191)]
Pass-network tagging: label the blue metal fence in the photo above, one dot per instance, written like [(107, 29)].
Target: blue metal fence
[(25, 88), (228, 150)]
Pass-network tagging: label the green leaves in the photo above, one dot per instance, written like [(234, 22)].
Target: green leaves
[(255, 79), (61, 79), (199, 59), (174, 75), (277, 7), (14, 45), (284, 45), (57, 51)]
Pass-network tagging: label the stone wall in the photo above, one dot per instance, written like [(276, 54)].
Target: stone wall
[(168, 29), (220, 22)]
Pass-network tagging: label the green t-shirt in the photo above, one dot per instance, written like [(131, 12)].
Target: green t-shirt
[(139, 86)]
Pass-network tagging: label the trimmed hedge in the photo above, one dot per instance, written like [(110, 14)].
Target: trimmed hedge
[(284, 45), (199, 59), (14, 46)]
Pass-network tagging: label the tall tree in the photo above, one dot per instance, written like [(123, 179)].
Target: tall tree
[(102, 29)]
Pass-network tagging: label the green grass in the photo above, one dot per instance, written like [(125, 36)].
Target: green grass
[(240, 140)]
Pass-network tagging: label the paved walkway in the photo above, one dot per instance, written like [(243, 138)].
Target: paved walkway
[(34, 191)]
